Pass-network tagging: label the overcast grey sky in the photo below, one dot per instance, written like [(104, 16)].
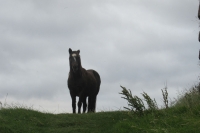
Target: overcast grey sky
[(139, 44)]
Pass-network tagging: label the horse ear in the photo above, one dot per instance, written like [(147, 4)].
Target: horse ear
[(78, 51), (70, 50)]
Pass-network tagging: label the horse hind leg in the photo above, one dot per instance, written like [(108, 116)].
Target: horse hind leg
[(82, 100), (94, 104), (84, 105), (91, 104), (79, 106)]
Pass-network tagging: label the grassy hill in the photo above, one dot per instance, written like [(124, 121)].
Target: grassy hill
[(182, 117), (172, 120)]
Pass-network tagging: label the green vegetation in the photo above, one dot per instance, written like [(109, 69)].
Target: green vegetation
[(183, 116)]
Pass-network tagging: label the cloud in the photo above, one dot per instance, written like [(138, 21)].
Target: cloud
[(137, 44)]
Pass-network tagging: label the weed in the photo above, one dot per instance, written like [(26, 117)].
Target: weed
[(151, 103), (165, 97), (0, 105), (134, 102)]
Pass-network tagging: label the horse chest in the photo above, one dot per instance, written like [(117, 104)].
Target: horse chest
[(77, 86)]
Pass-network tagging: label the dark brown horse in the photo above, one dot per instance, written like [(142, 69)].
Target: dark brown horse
[(82, 83)]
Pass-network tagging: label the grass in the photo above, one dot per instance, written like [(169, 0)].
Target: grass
[(171, 120), (181, 117)]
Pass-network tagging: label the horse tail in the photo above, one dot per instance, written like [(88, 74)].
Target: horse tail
[(98, 79), (93, 95), (95, 102), (92, 103)]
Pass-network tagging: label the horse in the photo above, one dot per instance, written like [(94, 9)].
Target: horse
[(82, 83)]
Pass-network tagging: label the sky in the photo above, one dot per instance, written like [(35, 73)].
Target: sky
[(138, 44)]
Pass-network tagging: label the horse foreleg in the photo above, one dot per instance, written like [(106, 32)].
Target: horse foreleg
[(74, 104)]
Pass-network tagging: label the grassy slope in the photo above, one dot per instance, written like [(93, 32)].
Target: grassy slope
[(173, 120)]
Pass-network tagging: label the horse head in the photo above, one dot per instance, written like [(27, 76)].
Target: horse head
[(74, 60)]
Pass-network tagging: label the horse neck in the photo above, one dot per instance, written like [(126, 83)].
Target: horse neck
[(76, 75)]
